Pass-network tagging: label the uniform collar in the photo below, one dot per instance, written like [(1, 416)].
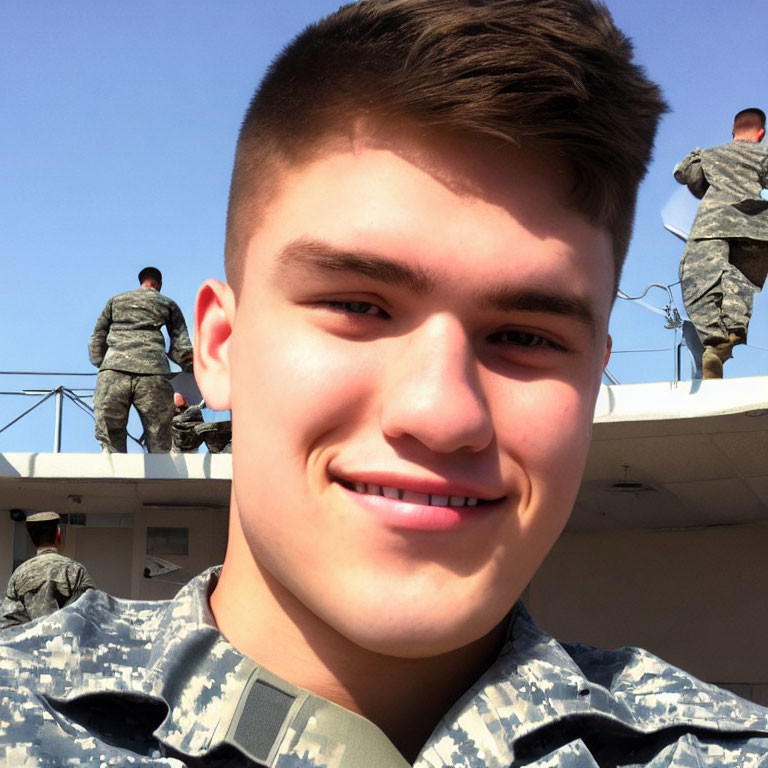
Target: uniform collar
[(535, 683), (216, 697)]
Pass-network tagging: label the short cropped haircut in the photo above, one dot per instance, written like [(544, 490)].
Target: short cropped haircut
[(43, 533), (751, 117), (554, 76), (151, 273)]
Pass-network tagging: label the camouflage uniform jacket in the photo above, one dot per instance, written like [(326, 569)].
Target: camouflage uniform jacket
[(127, 335), (728, 179), (42, 585), (112, 682)]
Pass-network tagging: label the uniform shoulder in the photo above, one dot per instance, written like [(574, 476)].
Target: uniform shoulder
[(167, 300), (737, 147), (125, 294), (643, 681)]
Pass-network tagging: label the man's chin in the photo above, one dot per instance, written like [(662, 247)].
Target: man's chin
[(406, 636)]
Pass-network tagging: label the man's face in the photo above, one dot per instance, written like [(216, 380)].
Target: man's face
[(415, 355)]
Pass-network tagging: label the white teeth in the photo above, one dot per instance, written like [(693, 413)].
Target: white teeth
[(416, 498), (413, 497)]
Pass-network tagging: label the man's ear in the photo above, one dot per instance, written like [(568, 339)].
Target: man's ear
[(760, 134), (608, 348), (214, 319)]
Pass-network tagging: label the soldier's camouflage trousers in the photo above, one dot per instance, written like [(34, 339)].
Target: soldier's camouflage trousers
[(151, 395), (719, 279)]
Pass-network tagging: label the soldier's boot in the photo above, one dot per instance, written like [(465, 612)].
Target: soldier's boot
[(716, 354), (711, 364), (737, 336)]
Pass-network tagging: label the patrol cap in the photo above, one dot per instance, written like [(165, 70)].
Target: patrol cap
[(43, 517)]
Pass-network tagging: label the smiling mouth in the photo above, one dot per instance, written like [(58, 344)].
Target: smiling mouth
[(413, 497)]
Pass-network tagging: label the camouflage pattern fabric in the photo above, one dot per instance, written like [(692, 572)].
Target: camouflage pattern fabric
[(185, 439), (190, 432), (728, 181), (725, 260), (42, 585), (152, 396), (719, 279), (114, 682), (217, 436), (128, 336)]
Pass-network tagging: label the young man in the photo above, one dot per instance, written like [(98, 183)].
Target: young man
[(725, 261), (430, 205), (128, 348), (46, 582)]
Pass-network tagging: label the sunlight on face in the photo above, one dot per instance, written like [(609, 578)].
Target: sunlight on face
[(415, 355)]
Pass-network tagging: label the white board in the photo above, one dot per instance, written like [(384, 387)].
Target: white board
[(679, 212)]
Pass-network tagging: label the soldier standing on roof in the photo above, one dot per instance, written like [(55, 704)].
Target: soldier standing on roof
[(726, 258), (128, 347), (46, 582)]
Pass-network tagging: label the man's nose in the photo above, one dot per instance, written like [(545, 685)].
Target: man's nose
[(433, 390)]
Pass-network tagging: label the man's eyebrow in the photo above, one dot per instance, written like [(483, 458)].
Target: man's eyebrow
[(315, 254), (516, 300)]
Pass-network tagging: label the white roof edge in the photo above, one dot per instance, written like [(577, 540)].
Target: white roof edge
[(615, 403), (117, 466), (682, 400)]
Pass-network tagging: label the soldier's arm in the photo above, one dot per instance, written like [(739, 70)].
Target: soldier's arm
[(762, 174), (12, 611), (97, 344), (181, 347), (689, 172), (78, 581)]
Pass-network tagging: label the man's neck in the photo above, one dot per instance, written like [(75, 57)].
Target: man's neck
[(405, 697)]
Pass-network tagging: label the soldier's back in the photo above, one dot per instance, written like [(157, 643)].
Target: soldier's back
[(47, 582), (733, 169)]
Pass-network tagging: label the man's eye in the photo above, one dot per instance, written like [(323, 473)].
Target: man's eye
[(522, 339), (357, 308)]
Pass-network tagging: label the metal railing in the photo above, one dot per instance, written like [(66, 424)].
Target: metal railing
[(674, 323), (78, 397)]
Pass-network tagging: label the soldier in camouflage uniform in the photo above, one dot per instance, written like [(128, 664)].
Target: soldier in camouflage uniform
[(128, 347), (46, 582), (725, 260), (423, 246)]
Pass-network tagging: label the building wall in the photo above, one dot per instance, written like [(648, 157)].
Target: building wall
[(113, 548), (696, 597), (106, 553), (207, 532), (6, 546)]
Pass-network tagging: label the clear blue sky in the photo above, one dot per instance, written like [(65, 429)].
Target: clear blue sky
[(116, 140)]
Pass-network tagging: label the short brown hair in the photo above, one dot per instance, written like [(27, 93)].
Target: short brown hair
[(554, 74), (750, 118)]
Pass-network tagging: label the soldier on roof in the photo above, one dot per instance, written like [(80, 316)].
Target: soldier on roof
[(726, 258), (128, 347)]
